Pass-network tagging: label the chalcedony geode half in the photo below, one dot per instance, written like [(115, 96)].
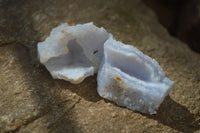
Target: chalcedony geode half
[(73, 53), (131, 79)]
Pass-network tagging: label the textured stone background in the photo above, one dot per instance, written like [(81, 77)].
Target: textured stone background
[(181, 18), (31, 101)]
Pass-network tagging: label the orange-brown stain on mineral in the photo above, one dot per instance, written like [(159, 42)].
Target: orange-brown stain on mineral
[(118, 79)]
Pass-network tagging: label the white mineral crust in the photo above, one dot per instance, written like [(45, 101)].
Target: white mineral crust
[(73, 53), (131, 79)]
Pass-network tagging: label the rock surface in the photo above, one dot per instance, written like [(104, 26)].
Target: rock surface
[(31, 101), (188, 28), (181, 18)]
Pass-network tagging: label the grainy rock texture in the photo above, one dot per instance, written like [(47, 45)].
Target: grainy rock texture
[(181, 18), (188, 28), (31, 101), (167, 12)]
